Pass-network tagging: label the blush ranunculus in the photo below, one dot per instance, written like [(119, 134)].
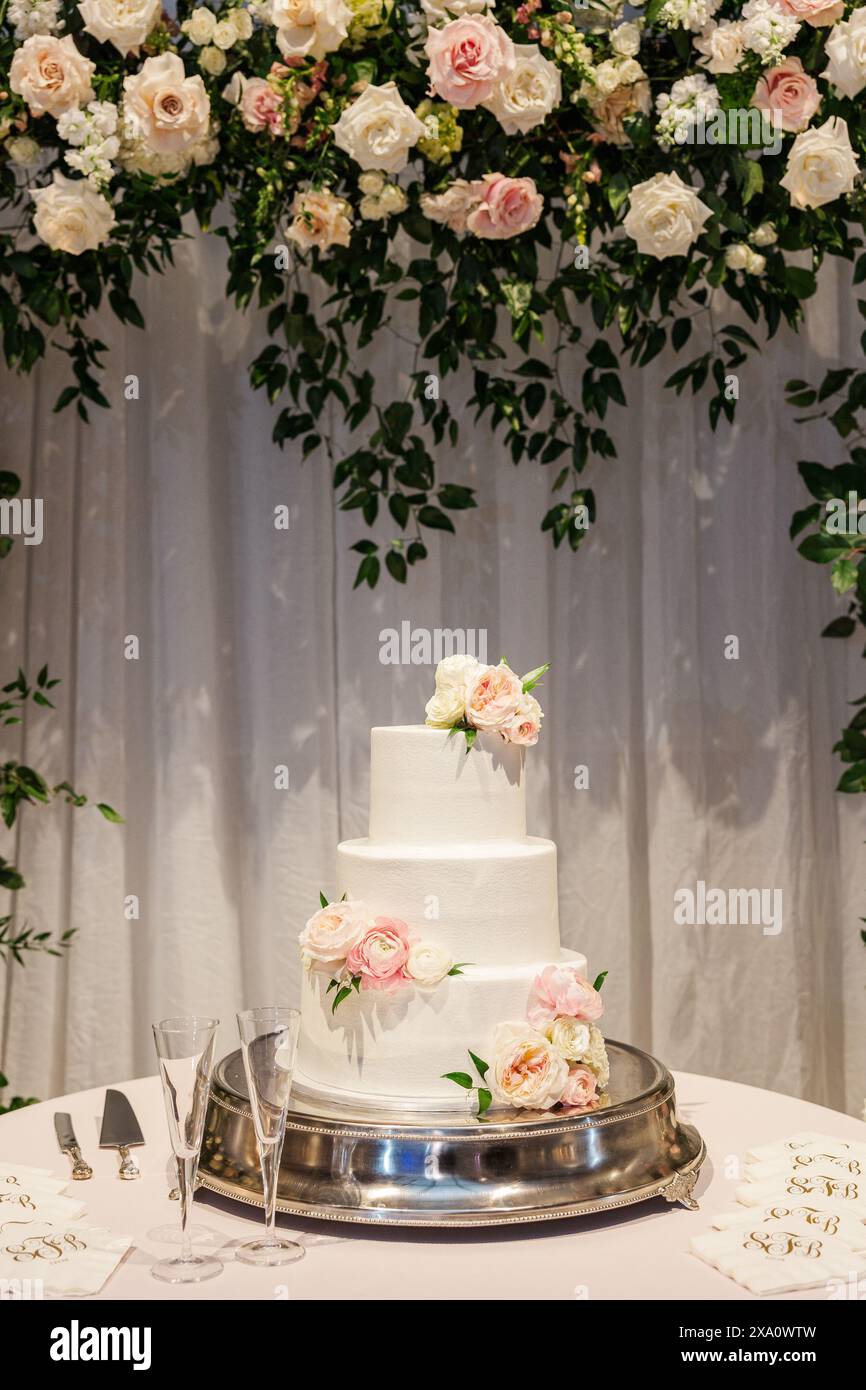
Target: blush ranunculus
[(581, 1089), (506, 207), (788, 93), (381, 954), (493, 695), (468, 58), (561, 991)]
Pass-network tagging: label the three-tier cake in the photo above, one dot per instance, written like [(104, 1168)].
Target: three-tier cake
[(439, 959)]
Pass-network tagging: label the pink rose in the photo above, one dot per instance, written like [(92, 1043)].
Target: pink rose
[(581, 1089), (493, 695), (560, 990), (814, 12), (468, 57), (506, 208), (788, 93), (261, 107), (526, 724), (381, 954)]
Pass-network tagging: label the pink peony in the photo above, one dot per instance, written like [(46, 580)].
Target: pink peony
[(581, 1089), (788, 93), (493, 695), (381, 954), (261, 107), (561, 991), (468, 57), (506, 207), (814, 12)]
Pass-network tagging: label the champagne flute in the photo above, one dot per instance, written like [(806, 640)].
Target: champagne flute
[(185, 1048), (269, 1039)]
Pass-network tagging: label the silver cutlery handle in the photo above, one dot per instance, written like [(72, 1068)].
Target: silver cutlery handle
[(80, 1169), (128, 1167)]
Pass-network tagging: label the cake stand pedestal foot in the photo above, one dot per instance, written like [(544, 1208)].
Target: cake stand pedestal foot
[(680, 1189)]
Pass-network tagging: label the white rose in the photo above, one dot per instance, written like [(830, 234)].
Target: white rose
[(224, 34), (22, 150), (331, 932), (607, 76), (51, 75), (526, 1069), (765, 235), (441, 11), (665, 216), (371, 183), (596, 1057), (428, 964), (200, 25), (756, 263), (71, 216), (570, 1037), (722, 47), (625, 39), (392, 199), (234, 88), (821, 165), (447, 707), (528, 93), (212, 60), (163, 108), (846, 49), (123, 23), (242, 21), (379, 129), (310, 28), (737, 256)]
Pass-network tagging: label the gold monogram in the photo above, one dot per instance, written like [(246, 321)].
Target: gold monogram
[(21, 1199), (849, 1165), (825, 1184), (47, 1247), (780, 1244)]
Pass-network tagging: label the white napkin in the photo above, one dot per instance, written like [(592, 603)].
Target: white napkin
[(69, 1258), (19, 1175), (825, 1185), (822, 1217), (849, 1159), (807, 1138), (31, 1203), (779, 1258)]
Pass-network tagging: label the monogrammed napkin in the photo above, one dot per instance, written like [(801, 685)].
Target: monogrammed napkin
[(35, 1179), (807, 1138), (833, 1155), (822, 1217), (65, 1259), (818, 1183), (779, 1257)]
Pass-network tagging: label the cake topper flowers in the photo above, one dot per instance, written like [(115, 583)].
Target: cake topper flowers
[(475, 698)]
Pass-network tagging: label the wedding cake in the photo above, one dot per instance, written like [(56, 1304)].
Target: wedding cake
[(436, 969)]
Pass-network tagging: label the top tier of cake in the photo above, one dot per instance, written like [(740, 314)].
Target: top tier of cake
[(425, 789)]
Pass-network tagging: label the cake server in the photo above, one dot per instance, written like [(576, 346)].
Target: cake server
[(120, 1130), (69, 1145)]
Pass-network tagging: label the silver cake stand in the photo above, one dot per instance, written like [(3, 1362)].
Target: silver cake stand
[(451, 1169)]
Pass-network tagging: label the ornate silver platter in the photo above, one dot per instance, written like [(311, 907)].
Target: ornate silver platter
[(456, 1170)]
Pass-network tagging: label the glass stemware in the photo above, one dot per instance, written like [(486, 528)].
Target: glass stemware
[(269, 1039), (185, 1048)]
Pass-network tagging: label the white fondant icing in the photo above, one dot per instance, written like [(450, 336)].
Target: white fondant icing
[(491, 904), (426, 788)]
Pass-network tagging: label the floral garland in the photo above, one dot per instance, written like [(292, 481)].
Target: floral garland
[(557, 1057), (361, 951), (477, 699)]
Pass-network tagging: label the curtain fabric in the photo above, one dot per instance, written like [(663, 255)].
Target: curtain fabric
[(254, 653)]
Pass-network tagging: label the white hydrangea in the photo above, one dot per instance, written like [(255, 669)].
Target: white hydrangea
[(767, 30), (691, 102), (92, 134), (33, 17), (688, 14)]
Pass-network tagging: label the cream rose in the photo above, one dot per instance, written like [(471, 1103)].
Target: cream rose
[(821, 165), (453, 206), (379, 129), (665, 216), (527, 1070), (721, 46), (123, 23), (493, 694), (428, 964), (331, 932), (51, 75), (570, 1037), (595, 1057), (23, 150), (200, 25), (163, 108), (320, 219), (765, 234), (846, 49), (448, 705), (71, 216), (625, 39), (528, 93), (310, 28), (818, 13), (611, 109), (441, 11)]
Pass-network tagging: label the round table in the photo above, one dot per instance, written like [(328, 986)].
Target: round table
[(638, 1252)]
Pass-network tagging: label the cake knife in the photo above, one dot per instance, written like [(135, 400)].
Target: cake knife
[(69, 1145), (120, 1130)]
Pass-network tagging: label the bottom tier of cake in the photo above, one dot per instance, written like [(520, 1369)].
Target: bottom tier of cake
[(394, 1048)]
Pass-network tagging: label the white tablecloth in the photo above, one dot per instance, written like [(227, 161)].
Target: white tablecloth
[(640, 1252)]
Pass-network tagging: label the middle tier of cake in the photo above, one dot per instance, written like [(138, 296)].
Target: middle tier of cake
[(492, 904)]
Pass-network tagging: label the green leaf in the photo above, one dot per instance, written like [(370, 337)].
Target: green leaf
[(532, 678), (840, 627), (843, 575), (342, 993), (485, 1100), (323, 900), (799, 282), (435, 519), (333, 985), (599, 980), (480, 1066), (109, 813), (461, 1078), (471, 735)]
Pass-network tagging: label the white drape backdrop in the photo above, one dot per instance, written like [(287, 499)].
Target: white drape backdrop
[(255, 652)]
